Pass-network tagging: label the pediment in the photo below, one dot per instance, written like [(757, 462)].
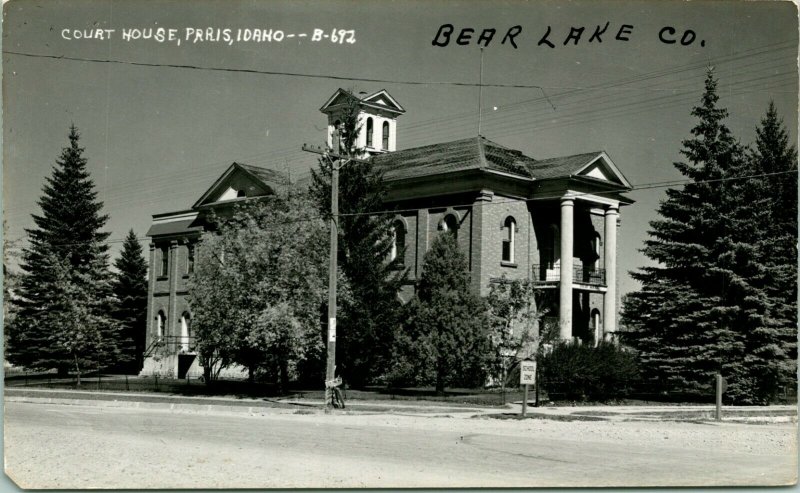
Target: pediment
[(238, 182), (602, 168), (381, 99)]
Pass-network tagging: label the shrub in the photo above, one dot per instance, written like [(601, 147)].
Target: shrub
[(584, 372)]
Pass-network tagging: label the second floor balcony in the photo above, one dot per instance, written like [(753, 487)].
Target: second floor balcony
[(581, 274)]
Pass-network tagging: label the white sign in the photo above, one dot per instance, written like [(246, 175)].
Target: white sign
[(527, 372), (331, 330)]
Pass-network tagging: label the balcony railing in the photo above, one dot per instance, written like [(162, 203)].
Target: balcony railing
[(171, 344), (544, 273)]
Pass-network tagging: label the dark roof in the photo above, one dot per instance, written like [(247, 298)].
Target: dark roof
[(459, 155), (266, 175), (561, 166), (476, 153)]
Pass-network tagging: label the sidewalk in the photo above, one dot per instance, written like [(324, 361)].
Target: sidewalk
[(686, 412), (253, 405), (230, 404)]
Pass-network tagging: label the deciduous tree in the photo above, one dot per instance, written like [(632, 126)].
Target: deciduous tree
[(258, 286)]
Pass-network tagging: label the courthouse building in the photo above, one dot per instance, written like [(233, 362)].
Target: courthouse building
[(553, 221)]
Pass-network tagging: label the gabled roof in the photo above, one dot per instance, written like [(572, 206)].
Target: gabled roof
[(383, 99), (380, 100), (597, 165), (479, 153), (264, 180)]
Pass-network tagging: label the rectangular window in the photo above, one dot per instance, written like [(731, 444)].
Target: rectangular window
[(507, 251), (164, 262), (189, 259)]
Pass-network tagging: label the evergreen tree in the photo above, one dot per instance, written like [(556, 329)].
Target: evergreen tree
[(130, 294), (690, 319), (368, 318), (445, 340), (68, 233), (772, 348)]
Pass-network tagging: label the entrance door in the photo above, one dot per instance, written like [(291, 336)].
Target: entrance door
[(184, 363)]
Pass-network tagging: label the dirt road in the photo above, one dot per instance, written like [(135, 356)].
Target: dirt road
[(59, 446)]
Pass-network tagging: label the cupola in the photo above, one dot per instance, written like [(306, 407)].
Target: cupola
[(377, 117)]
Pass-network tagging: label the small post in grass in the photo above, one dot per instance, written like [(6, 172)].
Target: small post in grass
[(527, 376), (721, 386)]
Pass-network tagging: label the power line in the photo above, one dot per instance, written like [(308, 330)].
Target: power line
[(271, 155), (272, 72)]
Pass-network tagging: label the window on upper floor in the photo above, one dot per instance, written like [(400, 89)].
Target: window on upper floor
[(552, 247), (450, 224), (164, 272), (369, 132), (189, 259), (596, 245), (385, 136), (398, 242), (509, 230)]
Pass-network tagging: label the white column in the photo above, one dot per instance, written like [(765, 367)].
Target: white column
[(610, 257), (565, 279)]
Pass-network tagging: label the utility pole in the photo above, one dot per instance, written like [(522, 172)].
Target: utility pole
[(337, 161)]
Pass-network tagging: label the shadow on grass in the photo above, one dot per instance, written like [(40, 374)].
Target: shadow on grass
[(549, 417)]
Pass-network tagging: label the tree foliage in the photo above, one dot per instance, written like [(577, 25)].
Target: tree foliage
[(130, 294), (445, 339), (585, 372), (367, 320), (258, 286), (65, 278), (515, 320), (704, 308)]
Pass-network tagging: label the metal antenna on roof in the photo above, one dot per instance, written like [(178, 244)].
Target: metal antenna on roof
[(480, 94)]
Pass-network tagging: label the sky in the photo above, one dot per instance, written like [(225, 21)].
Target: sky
[(158, 133)]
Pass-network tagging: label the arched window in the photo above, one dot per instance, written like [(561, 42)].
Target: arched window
[(450, 224), (337, 141), (160, 319), (385, 136), (164, 262), (186, 332), (398, 242), (369, 132), (510, 230), (241, 193)]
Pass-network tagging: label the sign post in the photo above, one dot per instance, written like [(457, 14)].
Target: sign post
[(721, 386), (527, 376)]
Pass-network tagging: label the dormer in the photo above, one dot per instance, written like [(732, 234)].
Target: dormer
[(377, 118)]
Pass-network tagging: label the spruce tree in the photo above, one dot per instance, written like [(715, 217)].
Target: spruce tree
[(689, 321), (367, 319), (67, 253), (772, 349), (130, 294), (445, 340)]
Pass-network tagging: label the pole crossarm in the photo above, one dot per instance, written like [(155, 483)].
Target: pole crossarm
[(324, 151)]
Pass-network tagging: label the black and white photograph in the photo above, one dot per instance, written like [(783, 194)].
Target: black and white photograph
[(399, 244)]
